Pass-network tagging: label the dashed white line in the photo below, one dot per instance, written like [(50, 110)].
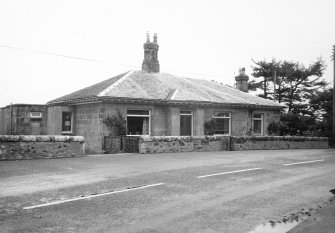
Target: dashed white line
[(224, 173), (313, 161), (91, 196)]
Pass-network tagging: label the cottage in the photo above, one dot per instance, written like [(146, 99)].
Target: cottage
[(160, 104), (157, 104)]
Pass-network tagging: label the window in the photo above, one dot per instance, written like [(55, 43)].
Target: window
[(221, 123), (67, 122), (186, 123), (257, 123), (35, 115), (138, 122)]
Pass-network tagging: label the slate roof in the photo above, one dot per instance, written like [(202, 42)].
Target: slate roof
[(140, 85)]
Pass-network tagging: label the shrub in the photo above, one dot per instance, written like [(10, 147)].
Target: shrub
[(118, 122)]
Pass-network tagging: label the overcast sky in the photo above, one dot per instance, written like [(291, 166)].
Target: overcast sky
[(203, 39)]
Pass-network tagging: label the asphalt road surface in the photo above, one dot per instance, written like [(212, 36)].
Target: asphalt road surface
[(161, 193)]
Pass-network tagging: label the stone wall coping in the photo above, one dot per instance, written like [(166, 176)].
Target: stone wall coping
[(214, 138), (40, 138), (178, 138), (279, 138)]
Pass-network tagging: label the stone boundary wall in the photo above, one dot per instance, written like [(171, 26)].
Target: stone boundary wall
[(165, 144), (18, 147), (278, 142)]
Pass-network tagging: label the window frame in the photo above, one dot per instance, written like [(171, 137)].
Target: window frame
[(36, 115), (186, 113), (258, 119), (71, 123), (223, 117), (138, 115)]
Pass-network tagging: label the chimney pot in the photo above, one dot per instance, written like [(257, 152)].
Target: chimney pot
[(155, 38), (148, 37)]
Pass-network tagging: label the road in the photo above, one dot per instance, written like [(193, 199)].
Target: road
[(161, 193)]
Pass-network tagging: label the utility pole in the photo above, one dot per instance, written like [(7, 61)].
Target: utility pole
[(11, 119), (274, 85), (334, 96)]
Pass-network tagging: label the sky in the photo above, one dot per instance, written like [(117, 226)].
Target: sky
[(50, 48)]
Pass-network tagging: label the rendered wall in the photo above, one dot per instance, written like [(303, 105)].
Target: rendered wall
[(241, 119), (17, 147), (3, 113), (54, 123), (89, 121), (89, 124), (165, 120), (19, 121)]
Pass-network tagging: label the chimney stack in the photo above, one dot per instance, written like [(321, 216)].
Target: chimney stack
[(150, 62), (242, 81)]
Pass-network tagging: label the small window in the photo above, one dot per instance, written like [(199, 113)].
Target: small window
[(221, 123), (258, 123), (35, 115), (138, 122), (67, 122)]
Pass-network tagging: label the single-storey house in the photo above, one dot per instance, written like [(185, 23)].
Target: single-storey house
[(160, 104)]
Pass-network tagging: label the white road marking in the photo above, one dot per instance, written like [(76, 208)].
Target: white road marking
[(91, 196), (313, 161), (224, 173)]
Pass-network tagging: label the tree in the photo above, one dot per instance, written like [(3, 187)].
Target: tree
[(304, 92), (264, 71), (294, 82), (301, 82), (321, 104), (294, 124), (116, 122)]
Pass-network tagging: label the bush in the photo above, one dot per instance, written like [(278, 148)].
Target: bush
[(209, 127), (117, 122), (296, 125)]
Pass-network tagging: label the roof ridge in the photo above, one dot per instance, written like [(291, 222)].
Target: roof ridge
[(108, 89)]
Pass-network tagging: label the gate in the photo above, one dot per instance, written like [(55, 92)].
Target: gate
[(112, 145), (120, 144), (129, 144)]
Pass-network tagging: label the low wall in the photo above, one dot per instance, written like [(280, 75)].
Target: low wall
[(157, 144), (278, 142), (16, 147)]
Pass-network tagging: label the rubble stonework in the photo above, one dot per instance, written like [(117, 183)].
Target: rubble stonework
[(158, 144), (163, 144), (278, 142), (17, 147)]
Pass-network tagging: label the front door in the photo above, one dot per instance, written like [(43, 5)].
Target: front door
[(185, 123), (35, 128)]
